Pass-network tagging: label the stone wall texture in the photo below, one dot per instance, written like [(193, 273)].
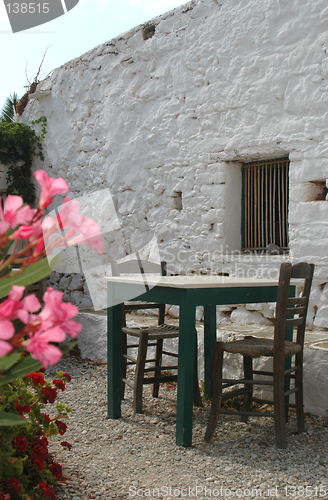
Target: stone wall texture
[(165, 115)]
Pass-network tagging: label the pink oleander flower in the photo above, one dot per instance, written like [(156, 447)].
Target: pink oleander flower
[(81, 228), (49, 187), (14, 213), (40, 347), (7, 331), (68, 227), (25, 232), (58, 313), (15, 308)]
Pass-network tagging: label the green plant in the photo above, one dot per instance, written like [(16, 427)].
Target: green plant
[(43, 121), (9, 109), (205, 397), (26, 466), (19, 144)]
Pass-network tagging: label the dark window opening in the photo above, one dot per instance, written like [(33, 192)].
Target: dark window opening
[(265, 192), (177, 196), (316, 190)]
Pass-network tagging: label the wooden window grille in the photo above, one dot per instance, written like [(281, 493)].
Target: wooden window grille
[(265, 204)]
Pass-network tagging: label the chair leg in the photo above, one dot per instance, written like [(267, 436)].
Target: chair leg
[(197, 397), (158, 363), (217, 391), (140, 370), (299, 393), (124, 361), (279, 404), (248, 374)]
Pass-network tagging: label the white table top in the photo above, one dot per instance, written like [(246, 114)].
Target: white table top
[(192, 281)]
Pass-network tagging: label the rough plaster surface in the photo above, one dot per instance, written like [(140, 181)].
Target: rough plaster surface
[(166, 122)]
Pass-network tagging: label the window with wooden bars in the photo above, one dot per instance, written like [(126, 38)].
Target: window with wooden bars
[(265, 204)]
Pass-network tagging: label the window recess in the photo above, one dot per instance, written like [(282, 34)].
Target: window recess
[(265, 195)]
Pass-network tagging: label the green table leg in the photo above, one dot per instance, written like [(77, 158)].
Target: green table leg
[(113, 357), (209, 342), (187, 320)]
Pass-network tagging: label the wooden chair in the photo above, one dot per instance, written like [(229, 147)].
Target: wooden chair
[(36, 288), (289, 312), (148, 336)]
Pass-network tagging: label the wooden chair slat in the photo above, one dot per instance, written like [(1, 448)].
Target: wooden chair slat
[(296, 300), (294, 321), (296, 310)]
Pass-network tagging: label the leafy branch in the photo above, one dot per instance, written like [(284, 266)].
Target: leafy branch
[(19, 144)]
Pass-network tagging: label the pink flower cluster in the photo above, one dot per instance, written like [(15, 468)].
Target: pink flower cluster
[(45, 235), (14, 308), (45, 328)]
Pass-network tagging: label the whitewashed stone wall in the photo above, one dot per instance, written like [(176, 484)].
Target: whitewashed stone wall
[(166, 122)]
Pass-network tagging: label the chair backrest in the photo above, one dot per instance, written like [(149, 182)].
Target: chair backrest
[(138, 266), (292, 311)]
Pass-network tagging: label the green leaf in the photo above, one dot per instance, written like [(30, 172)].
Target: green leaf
[(32, 274), (4, 251), (9, 109), (8, 361), (7, 418), (6, 271), (27, 365), (65, 348), (24, 366)]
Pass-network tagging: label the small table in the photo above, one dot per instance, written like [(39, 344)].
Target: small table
[(186, 292)]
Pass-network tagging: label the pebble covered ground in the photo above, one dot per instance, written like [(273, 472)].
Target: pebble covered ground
[(136, 455)]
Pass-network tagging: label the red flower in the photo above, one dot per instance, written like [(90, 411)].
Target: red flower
[(47, 418), (37, 378), (41, 441), (39, 452), (49, 394), (22, 409), (19, 443), (61, 427), (47, 492), (56, 469), (67, 377), (14, 485), (59, 384), (39, 463), (66, 444)]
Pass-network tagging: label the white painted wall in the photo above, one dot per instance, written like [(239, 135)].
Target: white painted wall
[(218, 84)]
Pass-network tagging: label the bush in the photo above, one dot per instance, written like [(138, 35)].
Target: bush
[(27, 469)]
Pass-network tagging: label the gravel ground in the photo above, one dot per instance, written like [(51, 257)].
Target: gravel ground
[(136, 456)]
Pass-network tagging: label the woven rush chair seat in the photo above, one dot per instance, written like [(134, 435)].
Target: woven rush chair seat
[(149, 370), (290, 312), (154, 332), (257, 346)]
